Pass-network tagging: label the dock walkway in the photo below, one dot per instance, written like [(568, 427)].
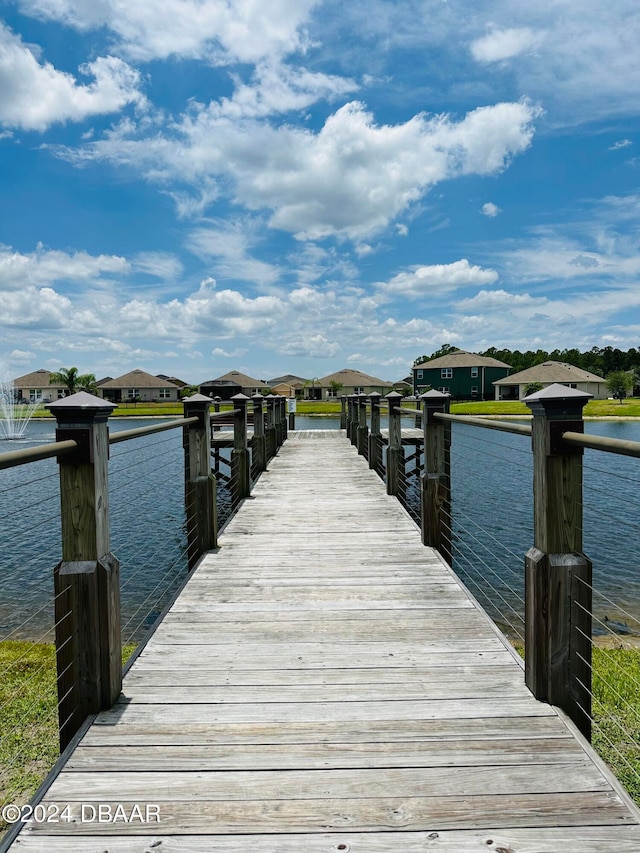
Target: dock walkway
[(324, 683)]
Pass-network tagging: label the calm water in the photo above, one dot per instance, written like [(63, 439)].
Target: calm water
[(492, 499)]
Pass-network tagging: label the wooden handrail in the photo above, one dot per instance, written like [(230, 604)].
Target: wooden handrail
[(620, 446), (127, 434), (33, 454), (485, 423)]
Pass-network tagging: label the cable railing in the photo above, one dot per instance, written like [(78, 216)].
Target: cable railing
[(119, 517), (484, 501)]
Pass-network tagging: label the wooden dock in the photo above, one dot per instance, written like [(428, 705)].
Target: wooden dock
[(324, 683)]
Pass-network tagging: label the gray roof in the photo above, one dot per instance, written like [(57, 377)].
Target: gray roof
[(548, 372), (37, 379), (288, 378), (137, 379), (461, 358), (239, 378), (352, 378)]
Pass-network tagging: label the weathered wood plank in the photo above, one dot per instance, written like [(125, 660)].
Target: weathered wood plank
[(490, 753), (567, 839), (382, 814)]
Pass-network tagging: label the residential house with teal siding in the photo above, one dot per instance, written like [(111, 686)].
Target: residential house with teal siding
[(463, 375)]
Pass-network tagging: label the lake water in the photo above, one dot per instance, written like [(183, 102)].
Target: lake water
[(492, 509)]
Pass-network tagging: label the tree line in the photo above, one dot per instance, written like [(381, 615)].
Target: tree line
[(599, 360)]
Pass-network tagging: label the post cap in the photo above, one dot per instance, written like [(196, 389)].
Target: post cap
[(81, 406), (433, 396), (557, 400), (393, 395), (375, 395), (197, 398), (239, 397), (258, 398)]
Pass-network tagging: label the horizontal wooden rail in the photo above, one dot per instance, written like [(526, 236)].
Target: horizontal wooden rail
[(405, 410), (485, 423), (125, 435), (33, 454), (600, 442)]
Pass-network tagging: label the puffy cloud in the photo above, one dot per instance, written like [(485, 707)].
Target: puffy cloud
[(504, 44), (46, 266), (349, 180), (490, 209), (34, 95), (217, 30), (421, 281)]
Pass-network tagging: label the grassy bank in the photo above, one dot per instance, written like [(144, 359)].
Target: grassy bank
[(28, 716)]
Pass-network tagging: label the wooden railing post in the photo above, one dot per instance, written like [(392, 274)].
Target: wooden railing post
[(87, 581), (270, 431), (435, 482), (375, 437), (282, 420), (558, 575), (291, 409), (259, 445), (216, 409), (240, 472), (343, 412), (395, 450), (352, 430), (199, 482), (362, 436)]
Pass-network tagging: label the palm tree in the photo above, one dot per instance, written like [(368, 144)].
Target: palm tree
[(73, 381)]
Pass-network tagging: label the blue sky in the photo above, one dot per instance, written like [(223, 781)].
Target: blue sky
[(194, 186)]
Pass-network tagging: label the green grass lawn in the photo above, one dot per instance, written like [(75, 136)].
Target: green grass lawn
[(28, 718)]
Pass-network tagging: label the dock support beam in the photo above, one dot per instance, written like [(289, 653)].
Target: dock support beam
[(199, 483), (558, 575), (87, 581)]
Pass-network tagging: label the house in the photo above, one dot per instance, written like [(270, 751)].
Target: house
[(549, 372), (231, 383), (463, 375), (36, 387), (287, 385), (139, 386), (345, 382)]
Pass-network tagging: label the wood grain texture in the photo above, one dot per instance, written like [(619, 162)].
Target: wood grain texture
[(324, 683)]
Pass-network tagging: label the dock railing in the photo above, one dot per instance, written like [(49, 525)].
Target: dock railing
[(86, 600), (558, 581)]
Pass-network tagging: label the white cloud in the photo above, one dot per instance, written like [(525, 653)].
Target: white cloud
[(35, 95), (499, 299), (490, 209), (162, 265), (349, 180), (621, 143), (46, 266), (499, 44), (217, 30), (229, 244), (423, 281)]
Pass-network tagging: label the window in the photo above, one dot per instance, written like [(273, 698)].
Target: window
[(61, 394), (418, 374), (133, 392), (446, 372), (164, 394), (35, 395), (358, 390), (444, 390), (474, 372), (474, 390)]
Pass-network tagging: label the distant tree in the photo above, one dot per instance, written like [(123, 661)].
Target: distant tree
[(532, 387), (445, 349), (619, 382), (187, 391), (73, 381), (335, 386)]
